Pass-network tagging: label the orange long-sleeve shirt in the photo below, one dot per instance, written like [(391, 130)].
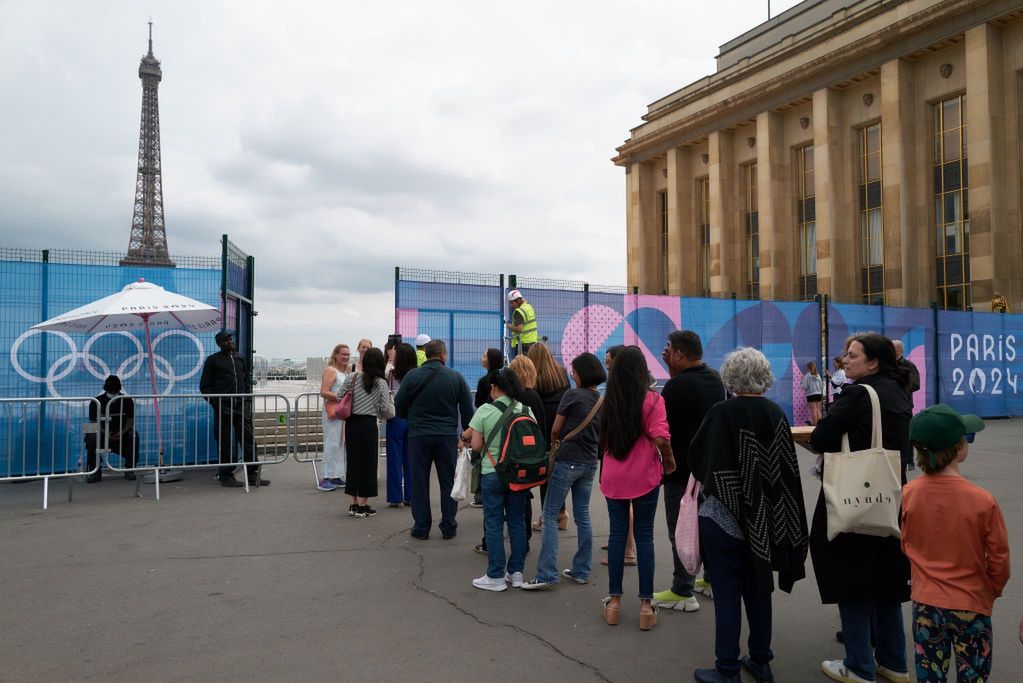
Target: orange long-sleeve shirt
[(954, 535)]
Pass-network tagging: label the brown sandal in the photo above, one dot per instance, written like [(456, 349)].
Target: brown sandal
[(647, 620), (538, 525), (611, 614), (563, 520)]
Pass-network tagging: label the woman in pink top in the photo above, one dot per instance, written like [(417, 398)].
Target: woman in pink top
[(634, 441)]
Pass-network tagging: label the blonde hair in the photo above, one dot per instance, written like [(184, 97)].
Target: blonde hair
[(365, 341), (333, 354), (524, 368), (549, 376)]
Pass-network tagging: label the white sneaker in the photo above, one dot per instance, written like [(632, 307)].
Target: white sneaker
[(836, 670), (690, 604), (488, 584), (515, 579)]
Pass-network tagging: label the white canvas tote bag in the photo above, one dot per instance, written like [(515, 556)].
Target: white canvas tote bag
[(863, 489)]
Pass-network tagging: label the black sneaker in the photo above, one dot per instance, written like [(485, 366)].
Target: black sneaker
[(364, 511), (230, 482), (352, 509), (480, 548), (130, 476), (761, 672), (94, 478), (259, 482)]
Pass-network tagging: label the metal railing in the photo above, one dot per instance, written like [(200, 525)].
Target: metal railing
[(44, 438), (193, 430), (307, 432)]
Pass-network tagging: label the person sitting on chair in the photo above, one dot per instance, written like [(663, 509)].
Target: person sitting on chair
[(123, 439)]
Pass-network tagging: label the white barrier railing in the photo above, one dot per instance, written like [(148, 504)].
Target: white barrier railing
[(195, 429), (307, 431), (45, 438)]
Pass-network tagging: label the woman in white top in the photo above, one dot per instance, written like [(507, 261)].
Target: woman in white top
[(333, 446), (813, 388)]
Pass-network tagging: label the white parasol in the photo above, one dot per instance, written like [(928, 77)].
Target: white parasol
[(140, 305)]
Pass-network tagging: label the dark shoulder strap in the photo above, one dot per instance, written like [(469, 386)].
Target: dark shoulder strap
[(506, 417), (422, 387), (586, 420)]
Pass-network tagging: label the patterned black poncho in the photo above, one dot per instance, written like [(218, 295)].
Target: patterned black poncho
[(744, 456)]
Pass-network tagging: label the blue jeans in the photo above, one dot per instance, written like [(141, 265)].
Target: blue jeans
[(891, 637), (578, 478), (644, 509), (500, 502), (399, 474), (735, 583)]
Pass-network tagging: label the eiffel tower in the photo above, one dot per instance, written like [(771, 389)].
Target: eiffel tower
[(148, 243)]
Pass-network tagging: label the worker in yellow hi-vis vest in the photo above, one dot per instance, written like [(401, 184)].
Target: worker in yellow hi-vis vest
[(523, 327)]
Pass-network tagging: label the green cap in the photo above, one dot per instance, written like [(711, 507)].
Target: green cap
[(940, 427)]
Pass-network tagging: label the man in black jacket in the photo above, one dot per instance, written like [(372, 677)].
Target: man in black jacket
[(693, 388), (225, 372), (432, 398), (903, 362), (123, 440)]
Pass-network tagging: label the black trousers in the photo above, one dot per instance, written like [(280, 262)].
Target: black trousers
[(425, 453), (232, 427)]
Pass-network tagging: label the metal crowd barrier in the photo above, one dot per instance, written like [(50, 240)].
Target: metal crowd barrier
[(194, 427), (44, 438), (307, 431)]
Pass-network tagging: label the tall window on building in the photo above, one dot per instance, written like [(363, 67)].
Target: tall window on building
[(951, 204), (806, 217), (871, 219), (703, 225), (752, 230), (662, 216)]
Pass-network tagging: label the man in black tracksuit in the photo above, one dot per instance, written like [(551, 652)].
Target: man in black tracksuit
[(432, 398), (693, 388), (225, 372)]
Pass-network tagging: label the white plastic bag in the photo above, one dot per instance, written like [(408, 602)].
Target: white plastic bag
[(463, 475)]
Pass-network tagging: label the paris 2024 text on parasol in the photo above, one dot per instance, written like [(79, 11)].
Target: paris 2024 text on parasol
[(140, 305)]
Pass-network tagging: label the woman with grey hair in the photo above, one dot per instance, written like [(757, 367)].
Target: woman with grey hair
[(752, 521)]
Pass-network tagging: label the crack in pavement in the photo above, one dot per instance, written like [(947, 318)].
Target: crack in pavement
[(417, 584)]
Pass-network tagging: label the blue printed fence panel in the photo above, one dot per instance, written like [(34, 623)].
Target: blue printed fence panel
[(980, 361), (969, 360), (56, 365)]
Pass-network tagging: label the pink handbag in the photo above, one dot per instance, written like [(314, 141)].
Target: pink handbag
[(342, 409), (687, 529)]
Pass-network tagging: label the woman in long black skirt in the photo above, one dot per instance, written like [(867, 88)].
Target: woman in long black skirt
[(371, 401)]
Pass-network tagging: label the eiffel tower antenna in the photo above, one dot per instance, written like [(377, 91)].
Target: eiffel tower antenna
[(148, 243)]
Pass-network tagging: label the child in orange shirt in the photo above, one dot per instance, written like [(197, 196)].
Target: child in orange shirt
[(954, 535)]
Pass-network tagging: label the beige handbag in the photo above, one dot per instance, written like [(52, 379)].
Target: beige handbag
[(863, 489)]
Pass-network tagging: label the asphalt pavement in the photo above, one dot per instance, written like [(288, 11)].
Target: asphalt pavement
[(210, 583)]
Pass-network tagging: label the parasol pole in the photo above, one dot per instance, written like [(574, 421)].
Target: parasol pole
[(152, 381)]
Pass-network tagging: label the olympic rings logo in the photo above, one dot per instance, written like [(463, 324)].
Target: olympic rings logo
[(98, 368)]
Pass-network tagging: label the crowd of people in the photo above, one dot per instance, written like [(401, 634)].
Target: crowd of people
[(606, 422)]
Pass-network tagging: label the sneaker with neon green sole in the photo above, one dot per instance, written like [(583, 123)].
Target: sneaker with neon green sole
[(703, 587), (671, 600)]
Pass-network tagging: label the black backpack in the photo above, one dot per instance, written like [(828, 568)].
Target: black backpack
[(522, 462)]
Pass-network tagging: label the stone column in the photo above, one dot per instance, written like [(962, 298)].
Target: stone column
[(908, 235), (725, 240), (683, 247), (837, 246), (775, 200), (991, 264), (641, 228)]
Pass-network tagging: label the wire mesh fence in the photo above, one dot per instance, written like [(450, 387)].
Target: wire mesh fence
[(967, 359)]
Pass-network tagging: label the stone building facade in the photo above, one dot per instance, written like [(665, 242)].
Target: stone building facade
[(868, 150)]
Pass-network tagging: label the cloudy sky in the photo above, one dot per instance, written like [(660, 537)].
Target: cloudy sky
[(336, 140)]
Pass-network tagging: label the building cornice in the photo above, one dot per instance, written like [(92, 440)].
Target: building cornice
[(898, 39)]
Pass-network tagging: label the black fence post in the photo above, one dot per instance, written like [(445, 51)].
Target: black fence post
[(586, 307), (223, 279)]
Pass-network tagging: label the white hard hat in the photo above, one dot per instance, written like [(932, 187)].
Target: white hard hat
[(422, 339), (514, 294)]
